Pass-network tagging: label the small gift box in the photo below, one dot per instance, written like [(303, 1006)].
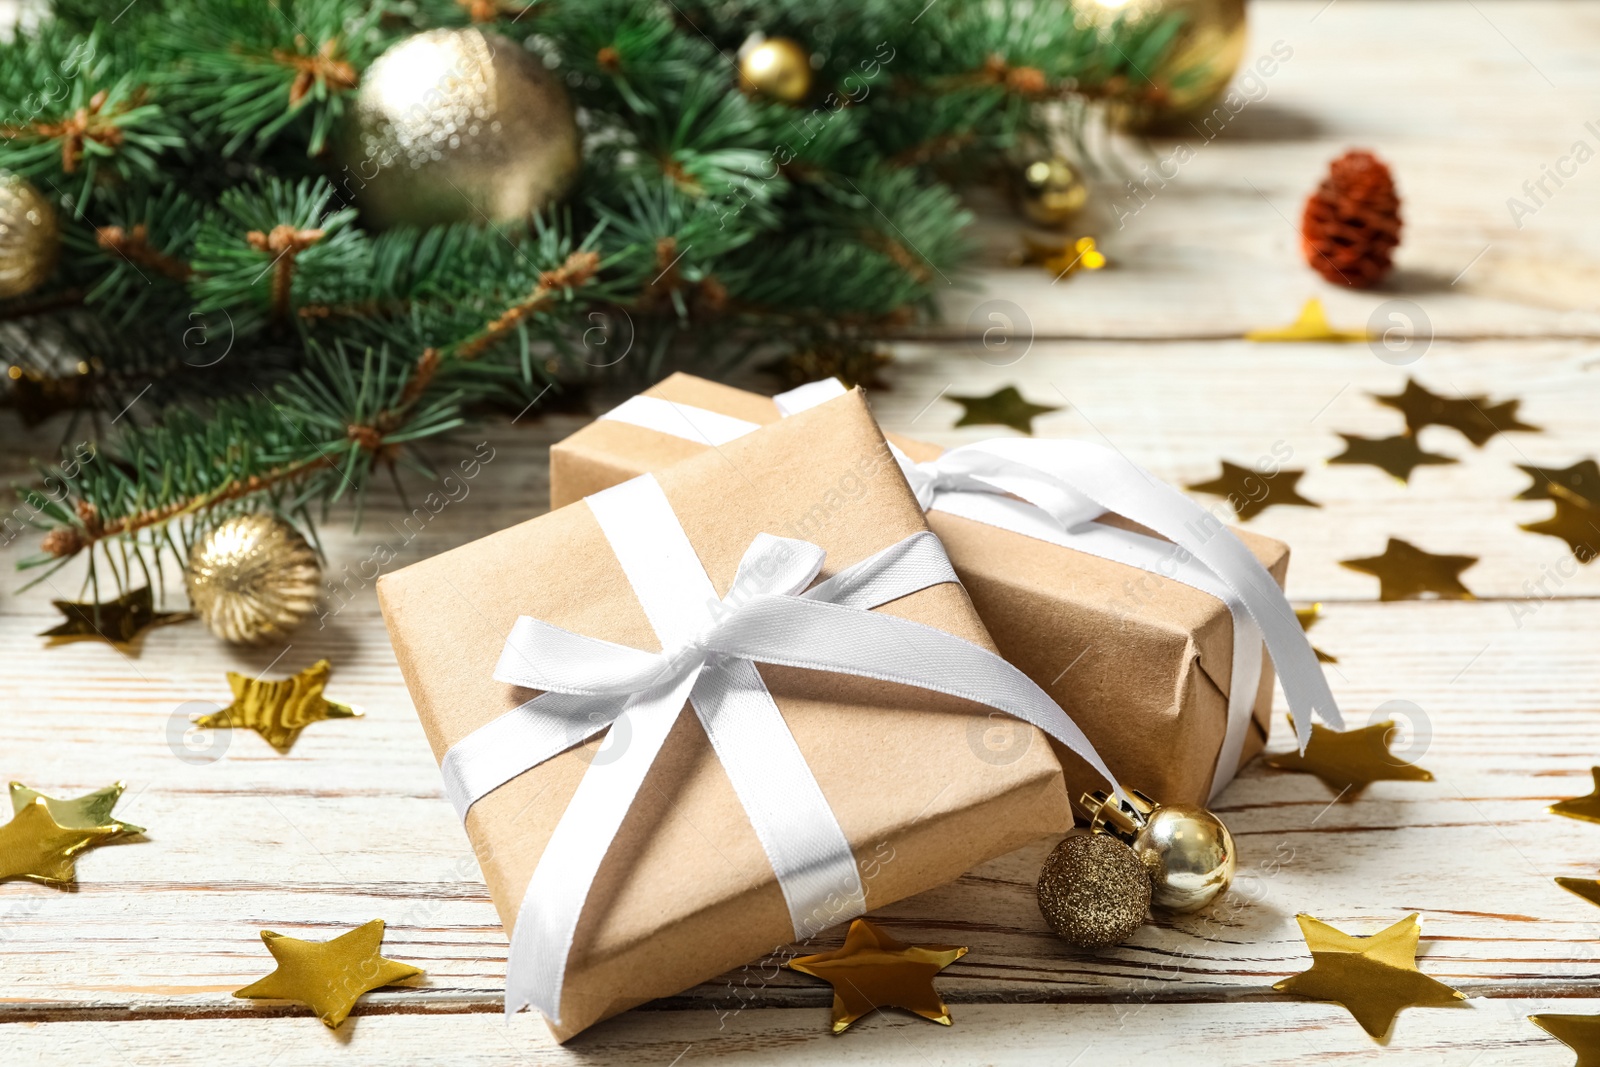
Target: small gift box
[(1152, 644), (633, 851)]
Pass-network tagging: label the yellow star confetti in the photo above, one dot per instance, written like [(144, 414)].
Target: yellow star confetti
[(1586, 807), (1580, 1033), (873, 970), (1371, 977), (1576, 521), (1004, 407), (1474, 416), (1350, 760), (1581, 479), (121, 622), (1399, 456), (279, 710), (90, 811), (1312, 325), (1406, 572), (328, 976), (1250, 492), (36, 847), (1309, 617)]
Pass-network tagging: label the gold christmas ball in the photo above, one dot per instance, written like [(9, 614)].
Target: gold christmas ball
[(1198, 66), (252, 578), (1189, 855), (776, 67), (458, 126), (1050, 192), (29, 237), (1093, 890)]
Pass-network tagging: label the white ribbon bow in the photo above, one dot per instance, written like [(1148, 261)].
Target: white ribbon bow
[(710, 646)]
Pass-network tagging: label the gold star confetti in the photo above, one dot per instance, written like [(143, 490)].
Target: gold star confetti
[(1474, 416), (1064, 258), (1350, 760), (328, 976), (1580, 1033), (121, 622), (91, 811), (873, 970), (1002, 408), (279, 710), (1576, 521), (1371, 977), (1398, 455), (36, 847), (1581, 479), (1586, 807), (1250, 492), (1587, 888), (1406, 572), (1309, 617), (1312, 325)]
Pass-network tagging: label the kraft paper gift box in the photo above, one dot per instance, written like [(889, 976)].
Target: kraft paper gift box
[(1141, 662), (686, 892)]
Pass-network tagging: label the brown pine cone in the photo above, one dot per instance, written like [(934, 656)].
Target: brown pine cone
[(1352, 222)]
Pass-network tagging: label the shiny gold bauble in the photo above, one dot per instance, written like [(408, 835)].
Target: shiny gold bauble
[(457, 126), (776, 67), (1198, 65), (1189, 855), (1093, 891), (29, 236), (252, 578), (1050, 191)]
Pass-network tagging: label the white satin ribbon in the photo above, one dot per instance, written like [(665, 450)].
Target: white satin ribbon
[(710, 646)]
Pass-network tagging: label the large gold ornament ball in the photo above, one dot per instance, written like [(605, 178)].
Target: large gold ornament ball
[(1197, 68), (253, 578), (458, 126), (776, 67), (1189, 855), (1050, 191), (30, 238), (1093, 891)]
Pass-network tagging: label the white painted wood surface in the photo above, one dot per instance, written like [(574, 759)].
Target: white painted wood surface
[(1504, 693)]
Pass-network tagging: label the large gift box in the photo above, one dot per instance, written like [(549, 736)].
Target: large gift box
[(686, 889), (1140, 656)]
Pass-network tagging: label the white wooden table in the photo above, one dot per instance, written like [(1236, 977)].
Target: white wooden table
[(1466, 101)]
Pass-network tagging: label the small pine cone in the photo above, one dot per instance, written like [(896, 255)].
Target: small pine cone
[(1352, 222)]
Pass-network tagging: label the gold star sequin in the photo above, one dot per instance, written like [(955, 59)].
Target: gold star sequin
[(121, 622), (1371, 977), (1474, 416), (328, 976), (1580, 1033), (1309, 617), (1312, 325), (1398, 455), (1581, 479), (873, 970), (1250, 492), (1587, 888), (92, 810), (36, 847), (1586, 807), (1350, 760), (1406, 572), (279, 710), (1576, 521), (1002, 408)]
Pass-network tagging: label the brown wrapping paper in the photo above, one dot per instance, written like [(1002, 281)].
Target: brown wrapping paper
[(686, 892), (1142, 663)]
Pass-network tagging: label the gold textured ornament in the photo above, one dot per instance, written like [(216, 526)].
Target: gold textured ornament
[(873, 970), (1476, 417), (1350, 760), (1050, 192), (1406, 572), (1250, 492), (458, 126), (1093, 891), (30, 237), (36, 847), (1186, 850), (252, 578), (1586, 807), (1576, 521), (1308, 617), (1194, 72), (121, 622), (1371, 977), (1582, 480), (1004, 407), (776, 67), (1398, 456), (279, 710), (328, 976), (1311, 325), (90, 811), (1580, 1033)]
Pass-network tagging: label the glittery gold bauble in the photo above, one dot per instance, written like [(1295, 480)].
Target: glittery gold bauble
[(253, 578), (1093, 890), (1049, 192), (458, 126), (29, 237), (1189, 855), (776, 67), (1197, 67)]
